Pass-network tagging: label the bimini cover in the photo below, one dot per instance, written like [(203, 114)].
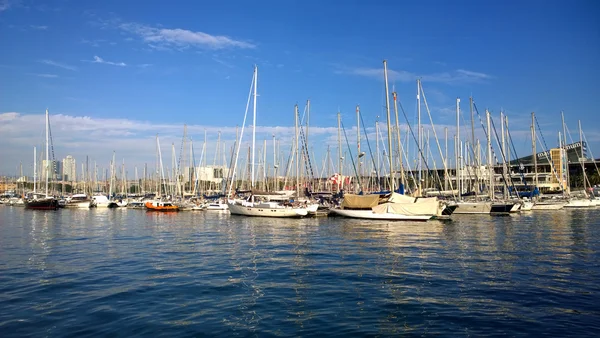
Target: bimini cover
[(352, 201), (410, 209)]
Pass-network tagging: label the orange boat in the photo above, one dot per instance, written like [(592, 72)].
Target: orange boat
[(161, 206)]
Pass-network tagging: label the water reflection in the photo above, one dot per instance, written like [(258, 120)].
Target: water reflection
[(193, 273)]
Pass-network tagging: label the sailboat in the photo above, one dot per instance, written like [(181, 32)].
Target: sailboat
[(43, 202), (254, 205), (392, 206)]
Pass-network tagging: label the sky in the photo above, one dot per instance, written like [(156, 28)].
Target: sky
[(114, 74)]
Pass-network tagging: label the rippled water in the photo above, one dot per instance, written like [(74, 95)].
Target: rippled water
[(131, 272)]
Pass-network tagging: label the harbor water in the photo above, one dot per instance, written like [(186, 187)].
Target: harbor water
[(119, 272)]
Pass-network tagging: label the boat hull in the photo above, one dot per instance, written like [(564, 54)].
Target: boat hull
[(369, 214), (168, 208), (284, 212), (548, 206), (473, 208), (48, 204), (579, 203)]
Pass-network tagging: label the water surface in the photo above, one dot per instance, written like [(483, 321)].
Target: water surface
[(119, 272)]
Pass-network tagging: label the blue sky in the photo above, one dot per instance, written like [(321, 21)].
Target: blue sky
[(115, 73)]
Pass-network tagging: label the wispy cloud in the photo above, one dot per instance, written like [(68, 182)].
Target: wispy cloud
[(450, 77), (5, 4), (38, 27), (44, 75), (58, 64), (98, 59), (167, 38), (226, 64), (145, 65)]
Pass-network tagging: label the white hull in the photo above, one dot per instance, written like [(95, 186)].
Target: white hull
[(259, 211), (577, 203), (527, 206), (217, 206), (79, 205), (369, 214), (548, 206), (516, 208), (473, 208)]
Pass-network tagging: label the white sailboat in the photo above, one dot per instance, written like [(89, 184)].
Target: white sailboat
[(252, 206)]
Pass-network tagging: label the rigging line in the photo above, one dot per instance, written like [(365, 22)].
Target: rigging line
[(437, 142), (592, 155), (503, 158), (517, 159), (414, 137), (546, 152), (370, 150), (350, 153), (52, 147), (582, 164)]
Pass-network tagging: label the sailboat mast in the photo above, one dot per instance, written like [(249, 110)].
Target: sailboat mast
[(254, 124), (419, 135), (446, 158), (389, 126), (297, 151), (47, 166), (503, 153), (400, 151), (489, 151), (340, 184), (582, 159), (533, 148), (358, 141), (275, 185), (562, 115), (458, 159), (34, 169)]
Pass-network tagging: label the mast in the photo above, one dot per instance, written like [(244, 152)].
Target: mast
[(275, 185), (582, 160), (34, 169), (341, 177), (377, 151), (503, 154), (297, 151), (489, 150), (400, 151), (389, 126), (358, 156), (254, 124), (562, 115), (446, 159), (419, 135), (533, 147), (458, 151), (47, 166), (264, 165), (112, 174)]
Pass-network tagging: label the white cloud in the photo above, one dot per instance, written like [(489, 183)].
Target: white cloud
[(57, 64), (44, 75), (133, 140), (98, 59), (38, 27), (181, 38), (452, 77)]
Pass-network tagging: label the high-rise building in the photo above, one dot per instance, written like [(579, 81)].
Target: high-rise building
[(69, 169), (54, 170)]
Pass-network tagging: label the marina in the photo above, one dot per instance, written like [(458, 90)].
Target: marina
[(299, 169)]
